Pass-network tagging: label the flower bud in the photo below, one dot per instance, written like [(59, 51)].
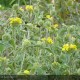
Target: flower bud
[(15, 6), (27, 72), (25, 43), (56, 65), (6, 37), (39, 43)]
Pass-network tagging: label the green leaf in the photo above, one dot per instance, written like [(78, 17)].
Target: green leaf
[(49, 50), (1, 22), (40, 71), (1, 47), (12, 42), (11, 2)]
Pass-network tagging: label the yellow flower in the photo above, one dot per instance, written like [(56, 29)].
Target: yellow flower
[(15, 20), (21, 9), (55, 26), (48, 17), (72, 46), (27, 72), (29, 7), (65, 47), (49, 40)]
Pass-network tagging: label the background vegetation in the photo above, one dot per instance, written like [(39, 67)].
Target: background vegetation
[(39, 42)]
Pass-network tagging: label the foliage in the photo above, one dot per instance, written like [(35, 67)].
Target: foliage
[(9, 3), (40, 41)]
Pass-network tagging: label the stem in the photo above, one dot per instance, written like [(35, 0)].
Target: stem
[(14, 36), (46, 32), (22, 62), (19, 2), (54, 58), (28, 36), (30, 2)]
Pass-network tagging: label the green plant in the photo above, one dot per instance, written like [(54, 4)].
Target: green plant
[(34, 41)]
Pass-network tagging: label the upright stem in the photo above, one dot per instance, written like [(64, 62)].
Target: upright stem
[(46, 32), (28, 36), (30, 2), (14, 35), (54, 58), (19, 2), (22, 62)]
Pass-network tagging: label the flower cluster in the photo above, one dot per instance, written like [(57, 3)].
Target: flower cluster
[(29, 7), (15, 20), (67, 47), (48, 40)]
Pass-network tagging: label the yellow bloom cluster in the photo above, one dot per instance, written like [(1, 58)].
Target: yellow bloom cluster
[(48, 40), (29, 7), (27, 72), (67, 47), (49, 17), (72, 46), (15, 21)]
